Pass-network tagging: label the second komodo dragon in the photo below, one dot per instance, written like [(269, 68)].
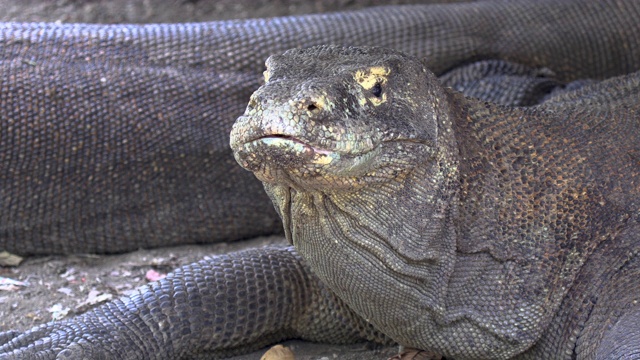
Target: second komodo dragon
[(115, 137)]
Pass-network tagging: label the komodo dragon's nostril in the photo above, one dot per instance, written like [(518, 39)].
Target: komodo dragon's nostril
[(314, 106)]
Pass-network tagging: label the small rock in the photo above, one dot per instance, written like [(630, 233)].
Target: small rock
[(9, 259)]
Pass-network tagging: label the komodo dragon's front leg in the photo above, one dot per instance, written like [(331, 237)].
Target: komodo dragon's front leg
[(213, 308)]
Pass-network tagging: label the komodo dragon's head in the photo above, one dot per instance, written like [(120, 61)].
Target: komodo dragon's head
[(338, 118)]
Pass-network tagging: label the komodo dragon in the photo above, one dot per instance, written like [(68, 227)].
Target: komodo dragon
[(450, 224), (183, 331)]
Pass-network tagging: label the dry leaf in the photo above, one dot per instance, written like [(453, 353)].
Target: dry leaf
[(94, 297), (7, 284)]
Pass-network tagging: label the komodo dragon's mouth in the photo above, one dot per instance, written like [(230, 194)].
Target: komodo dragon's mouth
[(275, 139), (272, 156), (286, 152)]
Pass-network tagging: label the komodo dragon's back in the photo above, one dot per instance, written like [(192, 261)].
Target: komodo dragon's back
[(562, 180), (607, 115)]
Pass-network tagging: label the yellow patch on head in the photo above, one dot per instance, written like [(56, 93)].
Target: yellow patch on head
[(321, 102), (377, 101), (369, 78)]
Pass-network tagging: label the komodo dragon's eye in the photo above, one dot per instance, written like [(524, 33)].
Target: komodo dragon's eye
[(376, 90)]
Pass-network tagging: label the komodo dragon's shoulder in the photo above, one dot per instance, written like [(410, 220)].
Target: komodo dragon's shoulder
[(452, 225)]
